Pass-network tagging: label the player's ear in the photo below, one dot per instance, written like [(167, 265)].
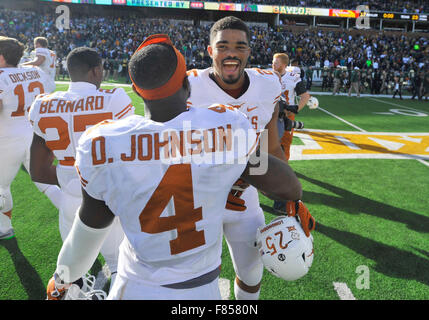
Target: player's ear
[(210, 51)]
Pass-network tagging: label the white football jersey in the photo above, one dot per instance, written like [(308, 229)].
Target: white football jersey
[(18, 89), (61, 118), (49, 65), (163, 183), (258, 102), (289, 81)]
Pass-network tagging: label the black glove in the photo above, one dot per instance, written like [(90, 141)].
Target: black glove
[(283, 107), (293, 108)]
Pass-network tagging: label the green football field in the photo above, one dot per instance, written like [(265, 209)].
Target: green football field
[(364, 167)]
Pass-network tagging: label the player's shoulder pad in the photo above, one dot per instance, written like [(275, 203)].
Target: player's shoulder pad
[(264, 75), (42, 51), (267, 80), (195, 75), (34, 108), (229, 113), (111, 127), (113, 91), (4, 82)]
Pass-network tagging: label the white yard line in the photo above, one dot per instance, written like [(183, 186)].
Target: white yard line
[(395, 104), (402, 106), (341, 119), (423, 162), (343, 291), (365, 95), (225, 288), (348, 143)]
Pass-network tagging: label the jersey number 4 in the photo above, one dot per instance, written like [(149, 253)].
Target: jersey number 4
[(176, 184)]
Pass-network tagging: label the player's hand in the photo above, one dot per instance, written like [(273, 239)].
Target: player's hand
[(294, 208), (56, 289), (234, 202), (291, 109)]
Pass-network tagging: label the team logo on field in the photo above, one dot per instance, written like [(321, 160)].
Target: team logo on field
[(325, 144)]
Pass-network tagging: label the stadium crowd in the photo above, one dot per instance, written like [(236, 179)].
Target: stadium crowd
[(377, 54), (418, 6)]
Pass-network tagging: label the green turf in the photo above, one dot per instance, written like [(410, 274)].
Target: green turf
[(361, 113), (361, 222), (371, 213)]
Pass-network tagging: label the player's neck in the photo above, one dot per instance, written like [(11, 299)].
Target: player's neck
[(166, 109), (86, 80), (234, 90), (160, 114)]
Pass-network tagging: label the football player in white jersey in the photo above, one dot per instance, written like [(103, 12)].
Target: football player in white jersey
[(59, 119), (256, 93), (45, 59), (148, 172), (18, 88), (292, 86)]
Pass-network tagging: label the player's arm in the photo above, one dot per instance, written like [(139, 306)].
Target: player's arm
[(279, 181), (274, 147), (82, 246), (41, 159), (36, 62), (302, 92)]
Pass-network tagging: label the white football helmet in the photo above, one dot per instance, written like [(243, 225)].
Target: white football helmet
[(313, 102), (285, 250)]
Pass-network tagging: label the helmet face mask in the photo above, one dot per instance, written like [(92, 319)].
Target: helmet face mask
[(285, 250)]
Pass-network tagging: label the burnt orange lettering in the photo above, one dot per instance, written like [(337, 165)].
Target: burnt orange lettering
[(102, 149), (51, 102), (89, 103), (191, 141), (272, 246), (99, 102), (283, 246), (70, 106), (60, 105), (132, 156), (158, 145), (177, 143), (44, 106), (79, 105), (140, 155), (206, 140), (225, 138)]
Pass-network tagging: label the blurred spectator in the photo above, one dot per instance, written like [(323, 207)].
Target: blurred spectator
[(397, 87), (354, 82), (116, 38)]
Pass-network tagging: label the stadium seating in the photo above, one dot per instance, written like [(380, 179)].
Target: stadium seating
[(116, 38)]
